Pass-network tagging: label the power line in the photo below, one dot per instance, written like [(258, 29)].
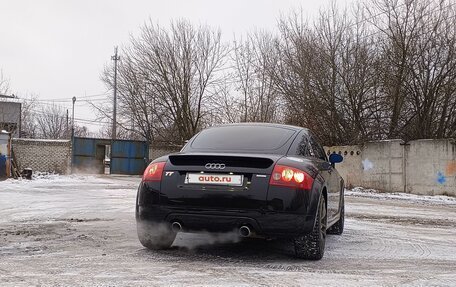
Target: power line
[(63, 105), (64, 117), (53, 105), (96, 100), (90, 122), (94, 95), (69, 99)]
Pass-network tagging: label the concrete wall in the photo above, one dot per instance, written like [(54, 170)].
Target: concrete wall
[(350, 169), (43, 155), (431, 167), (419, 167)]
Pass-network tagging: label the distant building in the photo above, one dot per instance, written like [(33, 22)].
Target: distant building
[(10, 117)]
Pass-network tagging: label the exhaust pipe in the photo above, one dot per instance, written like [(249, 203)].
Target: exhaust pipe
[(176, 226), (244, 231)]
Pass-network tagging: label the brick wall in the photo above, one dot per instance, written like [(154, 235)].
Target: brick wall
[(43, 155)]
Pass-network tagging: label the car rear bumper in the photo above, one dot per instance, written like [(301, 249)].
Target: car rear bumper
[(266, 224)]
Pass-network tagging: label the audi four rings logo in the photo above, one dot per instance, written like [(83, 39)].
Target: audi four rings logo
[(215, 166)]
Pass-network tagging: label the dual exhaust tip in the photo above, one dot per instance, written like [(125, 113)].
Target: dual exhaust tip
[(244, 231), (176, 226)]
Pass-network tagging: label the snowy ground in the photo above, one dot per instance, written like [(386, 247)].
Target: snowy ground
[(80, 231)]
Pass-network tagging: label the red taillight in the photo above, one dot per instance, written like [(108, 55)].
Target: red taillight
[(292, 177), (154, 172)]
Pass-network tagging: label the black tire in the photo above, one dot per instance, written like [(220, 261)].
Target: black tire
[(338, 227), (312, 246), (155, 236)]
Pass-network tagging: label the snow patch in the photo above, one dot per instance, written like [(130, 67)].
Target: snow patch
[(41, 140), (39, 178), (372, 193)]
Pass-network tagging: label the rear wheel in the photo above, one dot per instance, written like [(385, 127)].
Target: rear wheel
[(338, 227), (312, 246), (155, 236)]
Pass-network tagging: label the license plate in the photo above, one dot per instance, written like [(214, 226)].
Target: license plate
[(215, 179)]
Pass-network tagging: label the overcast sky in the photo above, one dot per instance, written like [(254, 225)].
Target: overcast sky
[(57, 49)]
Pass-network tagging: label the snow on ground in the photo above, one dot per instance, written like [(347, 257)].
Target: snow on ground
[(79, 230), (372, 193)]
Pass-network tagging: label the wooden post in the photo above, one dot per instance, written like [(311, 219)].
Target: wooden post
[(8, 157)]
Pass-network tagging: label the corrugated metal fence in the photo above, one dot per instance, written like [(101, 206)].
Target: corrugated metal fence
[(127, 156)]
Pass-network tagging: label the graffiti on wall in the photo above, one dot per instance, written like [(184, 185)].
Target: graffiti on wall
[(450, 171), (451, 168), (441, 178), (367, 164)]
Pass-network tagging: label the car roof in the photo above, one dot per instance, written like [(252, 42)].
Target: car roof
[(291, 127)]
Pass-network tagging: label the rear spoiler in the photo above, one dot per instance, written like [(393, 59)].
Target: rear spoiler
[(228, 160)]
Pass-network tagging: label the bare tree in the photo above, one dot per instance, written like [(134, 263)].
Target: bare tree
[(399, 28), (359, 103), (290, 71), (82, 131), (431, 87), (257, 99), (28, 119), (51, 122), (385, 69), (122, 133), (4, 84), (326, 74), (168, 79), (417, 41)]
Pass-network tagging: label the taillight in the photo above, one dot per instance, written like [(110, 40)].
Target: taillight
[(154, 172), (292, 177)]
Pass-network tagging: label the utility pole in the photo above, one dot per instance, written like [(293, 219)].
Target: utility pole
[(72, 135), (115, 58), (72, 120), (67, 130)]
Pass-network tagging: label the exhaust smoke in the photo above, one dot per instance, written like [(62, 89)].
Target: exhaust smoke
[(195, 240)]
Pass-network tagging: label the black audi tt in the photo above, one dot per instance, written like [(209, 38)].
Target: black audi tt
[(262, 180)]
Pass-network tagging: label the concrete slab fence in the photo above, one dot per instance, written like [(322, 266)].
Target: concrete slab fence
[(425, 167)]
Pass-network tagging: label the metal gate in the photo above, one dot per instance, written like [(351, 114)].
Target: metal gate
[(89, 155), (129, 157)]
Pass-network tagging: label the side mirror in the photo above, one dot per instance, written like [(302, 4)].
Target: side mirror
[(335, 158)]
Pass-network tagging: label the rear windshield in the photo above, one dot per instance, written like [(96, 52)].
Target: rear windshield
[(248, 138)]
